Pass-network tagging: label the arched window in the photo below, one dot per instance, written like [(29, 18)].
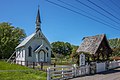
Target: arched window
[(47, 54), (47, 48), (29, 51)]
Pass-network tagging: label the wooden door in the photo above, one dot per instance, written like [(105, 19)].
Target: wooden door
[(41, 56)]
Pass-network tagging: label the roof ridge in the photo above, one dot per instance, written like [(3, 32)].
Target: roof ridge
[(91, 43), (99, 43)]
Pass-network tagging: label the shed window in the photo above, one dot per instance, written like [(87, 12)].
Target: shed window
[(29, 51)]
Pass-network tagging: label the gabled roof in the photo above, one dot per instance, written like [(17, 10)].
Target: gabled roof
[(91, 44), (39, 48), (25, 41)]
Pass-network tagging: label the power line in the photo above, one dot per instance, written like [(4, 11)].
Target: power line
[(85, 12), (114, 3), (103, 10), (82, 15), (97, 11), (108, 6)]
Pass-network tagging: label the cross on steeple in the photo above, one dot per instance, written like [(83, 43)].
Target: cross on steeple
[(38, 21)]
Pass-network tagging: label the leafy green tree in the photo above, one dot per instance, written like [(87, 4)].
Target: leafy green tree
[(10, 37), (63, 48), (115, 45), (74, 49)]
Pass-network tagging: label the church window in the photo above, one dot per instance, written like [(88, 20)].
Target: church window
[(21, 53), (47, 48), (30, 51), (47, 54)]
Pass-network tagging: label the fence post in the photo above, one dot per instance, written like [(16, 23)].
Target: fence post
[(54, 65), (62, 73), (87, 69), (75, 70), (17, 62), (21, 63), (48, 74), (27, 63), (41, 65), (33, 65), (14, 61)]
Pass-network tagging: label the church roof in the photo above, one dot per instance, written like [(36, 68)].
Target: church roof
[(38, 48), (91, 44), (26, 40)]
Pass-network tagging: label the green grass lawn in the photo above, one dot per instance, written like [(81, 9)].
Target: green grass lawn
[(16, 72)]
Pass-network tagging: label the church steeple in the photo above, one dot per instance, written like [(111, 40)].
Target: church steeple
[(38, 21)]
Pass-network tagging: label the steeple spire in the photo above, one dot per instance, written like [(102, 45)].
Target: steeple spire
[(38, 21)]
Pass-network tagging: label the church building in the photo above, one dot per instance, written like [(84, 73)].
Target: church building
[(34, 48)]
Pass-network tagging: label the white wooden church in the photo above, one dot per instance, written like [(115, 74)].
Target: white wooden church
[(34, 48)]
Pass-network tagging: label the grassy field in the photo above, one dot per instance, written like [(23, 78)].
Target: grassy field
[(16, 72)]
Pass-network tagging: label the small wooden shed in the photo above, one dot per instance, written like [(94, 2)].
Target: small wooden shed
[(97, 46)]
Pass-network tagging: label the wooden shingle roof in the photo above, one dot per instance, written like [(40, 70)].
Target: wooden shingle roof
[(91, 44)]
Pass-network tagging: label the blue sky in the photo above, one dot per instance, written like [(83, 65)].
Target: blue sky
[(59, 24)]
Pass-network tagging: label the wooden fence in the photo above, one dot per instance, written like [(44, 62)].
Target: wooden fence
[(81, 71), (66, 72), (114, 64), (35, 65), (58, 73)]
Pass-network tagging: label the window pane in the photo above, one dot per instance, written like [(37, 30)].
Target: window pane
[(29, 51)]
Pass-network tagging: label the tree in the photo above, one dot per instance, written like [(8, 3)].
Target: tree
[(63, 48), (74, 49), (115, 45), (10, 37)]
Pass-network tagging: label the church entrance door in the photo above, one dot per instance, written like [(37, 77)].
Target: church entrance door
[(41, 57)]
